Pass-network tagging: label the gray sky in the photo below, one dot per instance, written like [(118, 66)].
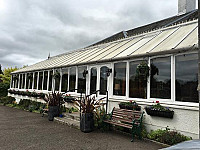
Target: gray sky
[(30, 29)]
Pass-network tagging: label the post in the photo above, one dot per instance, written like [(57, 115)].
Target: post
[(106, 102), (199, 60), (80, 105)]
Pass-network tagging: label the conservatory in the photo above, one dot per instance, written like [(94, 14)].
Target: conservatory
[(168, 57)]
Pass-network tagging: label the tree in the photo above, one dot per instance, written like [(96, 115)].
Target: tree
[(0, 70), (5, 76)]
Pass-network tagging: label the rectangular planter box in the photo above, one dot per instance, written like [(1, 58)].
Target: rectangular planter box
[(166, 114)]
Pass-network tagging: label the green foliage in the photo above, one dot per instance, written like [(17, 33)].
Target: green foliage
[(168, 137), (27, 93), (4, 89), (6, 77), (30, 105), (7, 100), (99, 116), (159, 107), (71, 110), (132, 105)]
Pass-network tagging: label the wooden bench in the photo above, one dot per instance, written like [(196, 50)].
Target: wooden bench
[(130, 119)]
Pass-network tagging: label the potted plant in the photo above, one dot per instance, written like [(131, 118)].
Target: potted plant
[(131, 105), (159, 110), (54, 100), (88, 106), (143, 69)]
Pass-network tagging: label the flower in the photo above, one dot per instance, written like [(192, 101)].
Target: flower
[(157, 101), (130, 101)]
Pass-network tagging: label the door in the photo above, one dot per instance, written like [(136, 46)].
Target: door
[(99, 79), (104, 79)]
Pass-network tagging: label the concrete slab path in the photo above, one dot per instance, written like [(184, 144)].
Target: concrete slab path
[(22, 130)]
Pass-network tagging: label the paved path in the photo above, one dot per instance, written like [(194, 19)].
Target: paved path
[(21, 130)]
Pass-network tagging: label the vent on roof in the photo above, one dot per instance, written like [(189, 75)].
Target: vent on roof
[(185, 6)]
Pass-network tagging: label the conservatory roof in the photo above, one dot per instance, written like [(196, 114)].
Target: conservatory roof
[(167, 40)]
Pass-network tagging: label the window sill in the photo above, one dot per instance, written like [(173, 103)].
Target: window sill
[(166, 103)]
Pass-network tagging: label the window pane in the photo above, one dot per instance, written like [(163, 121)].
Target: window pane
[(160, 84), (57, 82), (30, 80), (119, 86), (64, 80), (45, 80), (40, 80), (93, 80), (72, 79), (35, 80), (50, 80), (137, 84), (103, 80), (81, 80), (187, 78), (16, 79), (20, 82), (23, 82)]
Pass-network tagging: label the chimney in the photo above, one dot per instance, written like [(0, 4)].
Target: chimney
[(185, 6)]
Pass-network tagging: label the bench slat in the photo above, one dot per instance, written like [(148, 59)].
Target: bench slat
[(119, 124)]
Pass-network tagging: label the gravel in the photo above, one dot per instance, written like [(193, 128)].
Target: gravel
[(22, 130)]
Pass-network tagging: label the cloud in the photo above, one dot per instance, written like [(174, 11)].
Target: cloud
[(29, 30)]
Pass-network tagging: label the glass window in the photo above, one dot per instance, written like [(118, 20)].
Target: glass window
[(23, 82), (40, 80), (16, 79), (64, 80), (81, 80), (103, 80), (160, 84), (187, 78), (50, 80), (119, 84), (20, 82), (30, 80), (35, 80), (57, 81), (93, 80), (72, 79), (45, 80), (27, 80), (137, 83)]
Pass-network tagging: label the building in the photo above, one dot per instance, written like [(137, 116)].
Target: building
[(169, 47)]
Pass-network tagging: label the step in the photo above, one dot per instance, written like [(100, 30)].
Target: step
[(68, 121), (74, 116)]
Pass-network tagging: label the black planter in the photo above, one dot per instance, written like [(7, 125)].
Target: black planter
[(69, 99), (87, 122), (166, 114), (133, 107), (53, 111)]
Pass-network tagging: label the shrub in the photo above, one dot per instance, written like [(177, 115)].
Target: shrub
[(4, 89), (99, 116), (168, 137), (7, 100)]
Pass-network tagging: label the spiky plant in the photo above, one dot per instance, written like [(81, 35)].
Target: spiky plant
[(54, 99), (89, 104)]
